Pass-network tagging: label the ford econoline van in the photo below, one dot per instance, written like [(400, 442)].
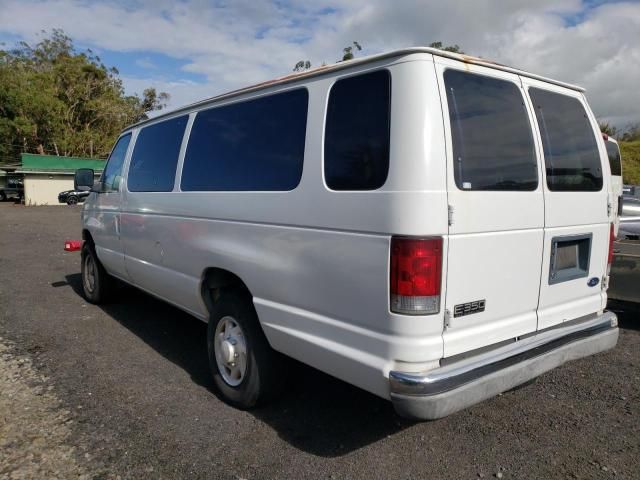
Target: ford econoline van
[(431, 227)]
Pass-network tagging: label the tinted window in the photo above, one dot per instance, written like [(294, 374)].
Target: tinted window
[(155, 156), (252, 145), (356, 145), (613, 152), (112, 173), (571, 153), (492, 139)]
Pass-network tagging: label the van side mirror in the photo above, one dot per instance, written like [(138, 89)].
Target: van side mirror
[(83, 179)]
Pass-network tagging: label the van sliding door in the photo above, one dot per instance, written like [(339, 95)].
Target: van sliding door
[(496, 207)]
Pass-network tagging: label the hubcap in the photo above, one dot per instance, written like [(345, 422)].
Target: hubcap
[(89, 274), (230, 350)]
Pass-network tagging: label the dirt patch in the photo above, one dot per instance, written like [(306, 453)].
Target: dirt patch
[(34, 426)]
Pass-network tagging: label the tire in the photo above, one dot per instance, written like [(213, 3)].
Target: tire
[(262, 374), (3, 196), (72, 200), (97, 284)]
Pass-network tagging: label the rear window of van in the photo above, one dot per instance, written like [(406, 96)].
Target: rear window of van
[(492, 139), (571, 155), (613, 152)]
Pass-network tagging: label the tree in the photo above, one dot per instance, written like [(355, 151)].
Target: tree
[(55, 99), (450, 48), (347, 54), (302, 65), (632, 133), (607, 128), (348, 51)]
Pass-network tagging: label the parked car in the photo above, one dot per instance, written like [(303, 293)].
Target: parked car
[(631, 190), (390, 220), (13, 189), (71, 197), (630, 219)]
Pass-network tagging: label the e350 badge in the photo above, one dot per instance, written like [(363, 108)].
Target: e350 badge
[(469, 308)]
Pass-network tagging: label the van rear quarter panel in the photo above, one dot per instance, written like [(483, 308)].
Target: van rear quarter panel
[(316, 261)]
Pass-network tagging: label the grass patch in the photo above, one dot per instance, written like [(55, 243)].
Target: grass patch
[(630, 152)]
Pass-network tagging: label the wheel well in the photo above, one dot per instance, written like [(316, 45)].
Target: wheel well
[(86, 236), (214, 280)]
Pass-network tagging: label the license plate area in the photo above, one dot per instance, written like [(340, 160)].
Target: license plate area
[(570, 257)]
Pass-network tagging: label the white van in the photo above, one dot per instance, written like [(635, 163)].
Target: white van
[(615, 166), (430, 227)]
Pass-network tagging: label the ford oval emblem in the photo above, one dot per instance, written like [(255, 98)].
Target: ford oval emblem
[(593, 281)]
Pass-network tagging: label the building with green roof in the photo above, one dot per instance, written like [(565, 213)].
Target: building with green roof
[(47, 175)]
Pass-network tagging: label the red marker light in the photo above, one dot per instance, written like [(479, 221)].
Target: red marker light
[(72, 245)]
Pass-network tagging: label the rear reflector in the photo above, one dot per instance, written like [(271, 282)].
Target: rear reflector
[(416, 271), (612, 238), (72, 245)]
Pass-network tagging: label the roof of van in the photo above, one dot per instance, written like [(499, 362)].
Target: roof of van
[(351, 63)]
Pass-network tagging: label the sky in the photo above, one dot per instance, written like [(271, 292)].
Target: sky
[(194, 49)]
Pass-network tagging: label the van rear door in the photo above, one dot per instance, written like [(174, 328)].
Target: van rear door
[(578, 207), (496, 207)]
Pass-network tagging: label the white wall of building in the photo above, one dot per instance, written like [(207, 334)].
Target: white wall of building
[(43, 189)]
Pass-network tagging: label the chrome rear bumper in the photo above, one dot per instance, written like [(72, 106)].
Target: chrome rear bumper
[(445, 390)]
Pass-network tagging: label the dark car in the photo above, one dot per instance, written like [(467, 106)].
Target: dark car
[(13, 189), (71, 197)]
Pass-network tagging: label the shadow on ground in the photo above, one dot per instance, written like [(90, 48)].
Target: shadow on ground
[(627, 312), (317, 413)]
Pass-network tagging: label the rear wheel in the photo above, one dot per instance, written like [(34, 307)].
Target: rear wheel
[(97, 284), (245, 369), (3, 196)]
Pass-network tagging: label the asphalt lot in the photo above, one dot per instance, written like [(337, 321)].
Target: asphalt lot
[(134, 376)]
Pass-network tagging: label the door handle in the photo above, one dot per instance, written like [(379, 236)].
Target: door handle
[(117, 225)]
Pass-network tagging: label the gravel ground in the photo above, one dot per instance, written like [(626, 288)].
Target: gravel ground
[(123, 391), (35, 431)]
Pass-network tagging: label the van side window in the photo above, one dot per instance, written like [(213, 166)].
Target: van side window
[(112, 173), (255, 145), (155, 156), (571, 152), (613, 152), (356, 144), (492, 139)]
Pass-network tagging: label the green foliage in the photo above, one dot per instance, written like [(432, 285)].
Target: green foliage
[(630, 152), (607, 128), (54, 99), (632, 133), (302, 65), (348, 52), (449, 48)]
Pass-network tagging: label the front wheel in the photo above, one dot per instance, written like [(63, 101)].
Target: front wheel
[(72, 200), (246, 370), (97, 284)]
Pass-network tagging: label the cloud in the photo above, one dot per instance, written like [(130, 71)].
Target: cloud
[(147, 63), (238, 43)]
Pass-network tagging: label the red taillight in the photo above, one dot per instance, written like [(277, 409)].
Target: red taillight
[(416, 271), (612, 238)]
